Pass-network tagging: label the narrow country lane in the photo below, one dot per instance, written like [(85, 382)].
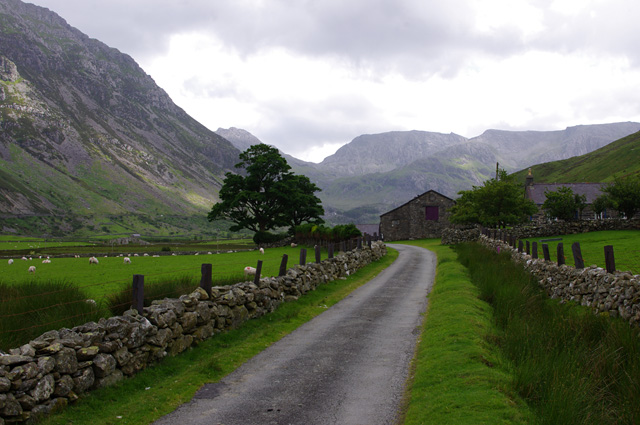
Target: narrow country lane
[(347, 366)]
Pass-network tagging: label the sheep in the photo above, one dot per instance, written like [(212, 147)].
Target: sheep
[(32, 269), (46, 261), (145, 255), (136, 255), (293, 245), (10, 261), (91, 302), (93, 260), (261, 250), (127, 260), (24, 258), (249, 271)]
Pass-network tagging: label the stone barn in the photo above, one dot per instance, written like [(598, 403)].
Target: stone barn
[(425, 216)]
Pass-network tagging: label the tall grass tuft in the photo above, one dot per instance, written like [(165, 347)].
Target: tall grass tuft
[(169, 287), (29, 309), (572, 367)]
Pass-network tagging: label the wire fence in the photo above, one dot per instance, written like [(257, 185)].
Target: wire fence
[(28, 311)]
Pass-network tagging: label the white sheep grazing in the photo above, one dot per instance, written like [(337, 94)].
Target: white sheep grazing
[(10, 261), (127, 260), (261, 250), (32, 269), (249, 271), (91, 302), (135, 255), (293, 245), (46, 261), (93, 260), (24, 258), (145, 255)]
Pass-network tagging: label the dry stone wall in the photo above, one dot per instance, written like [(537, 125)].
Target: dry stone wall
[(615, 293), (454, 235), (58, 366)]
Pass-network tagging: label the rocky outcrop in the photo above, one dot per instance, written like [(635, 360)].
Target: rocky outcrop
[(58, 366)]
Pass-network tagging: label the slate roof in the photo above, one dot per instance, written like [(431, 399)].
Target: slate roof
[(536, 191)]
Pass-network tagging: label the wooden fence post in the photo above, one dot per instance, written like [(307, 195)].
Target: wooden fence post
[(528, 248), (330, 249), (545, 252), (137, 301), (303, 256), (318, 250), (609, 260), (256, 279), (520, 246), (577, 255), (359, 246), (534, 250), (560, 251), (205, 280), (283, 265)]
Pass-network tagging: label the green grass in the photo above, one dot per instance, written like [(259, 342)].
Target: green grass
[(459, 377), (624, 242), (571, 366), (24, 308), (110, 274), (158, 390)]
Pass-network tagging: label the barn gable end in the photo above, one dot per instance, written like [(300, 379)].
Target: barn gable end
[(425, 216)]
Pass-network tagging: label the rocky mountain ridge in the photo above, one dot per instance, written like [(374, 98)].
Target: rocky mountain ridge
[(86, 131), (375, 173)]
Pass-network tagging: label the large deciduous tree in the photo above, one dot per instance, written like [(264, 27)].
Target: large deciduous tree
[(564, 204), (498, 202), (268, 195), (624, 195)]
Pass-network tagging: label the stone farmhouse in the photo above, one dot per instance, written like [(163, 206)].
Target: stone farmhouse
[(536, 192), (425, 216)]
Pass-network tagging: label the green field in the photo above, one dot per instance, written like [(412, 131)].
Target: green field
[(111, 274), (626, 247)]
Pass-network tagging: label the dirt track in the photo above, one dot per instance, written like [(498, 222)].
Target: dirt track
[(347, 366)]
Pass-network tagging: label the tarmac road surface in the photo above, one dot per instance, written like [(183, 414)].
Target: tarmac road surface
[(347, 366)]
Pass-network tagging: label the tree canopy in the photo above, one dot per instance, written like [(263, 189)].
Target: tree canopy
[(624, 195), (268, 195), (563, 204), (498, 202)]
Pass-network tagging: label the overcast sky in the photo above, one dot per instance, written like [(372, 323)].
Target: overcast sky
[(310, 75)]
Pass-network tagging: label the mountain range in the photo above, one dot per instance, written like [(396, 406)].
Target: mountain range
[(89, 142), (375, 173)]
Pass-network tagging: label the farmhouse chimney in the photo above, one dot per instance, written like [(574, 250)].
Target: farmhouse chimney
[(529, 180)]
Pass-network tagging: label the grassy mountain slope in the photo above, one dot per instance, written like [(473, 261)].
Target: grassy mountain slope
[(619, 158), (87, 133)]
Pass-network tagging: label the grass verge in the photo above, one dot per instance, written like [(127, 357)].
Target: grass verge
[(158, 390), (571, 366), (458, 376)]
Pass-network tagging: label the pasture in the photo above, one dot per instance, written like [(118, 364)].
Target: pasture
[(111, 274), (626, 247)]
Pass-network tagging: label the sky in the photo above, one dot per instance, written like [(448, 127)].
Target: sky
[(308, 76)]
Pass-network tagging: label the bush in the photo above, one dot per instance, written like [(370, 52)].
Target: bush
[(261, 238), (165, 249)]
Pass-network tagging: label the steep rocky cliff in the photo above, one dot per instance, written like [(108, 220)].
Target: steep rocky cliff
[(85, 131)]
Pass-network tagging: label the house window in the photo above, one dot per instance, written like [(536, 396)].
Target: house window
[(431, 213)]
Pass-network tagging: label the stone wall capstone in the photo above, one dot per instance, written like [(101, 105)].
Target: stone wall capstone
[(55, 368)]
